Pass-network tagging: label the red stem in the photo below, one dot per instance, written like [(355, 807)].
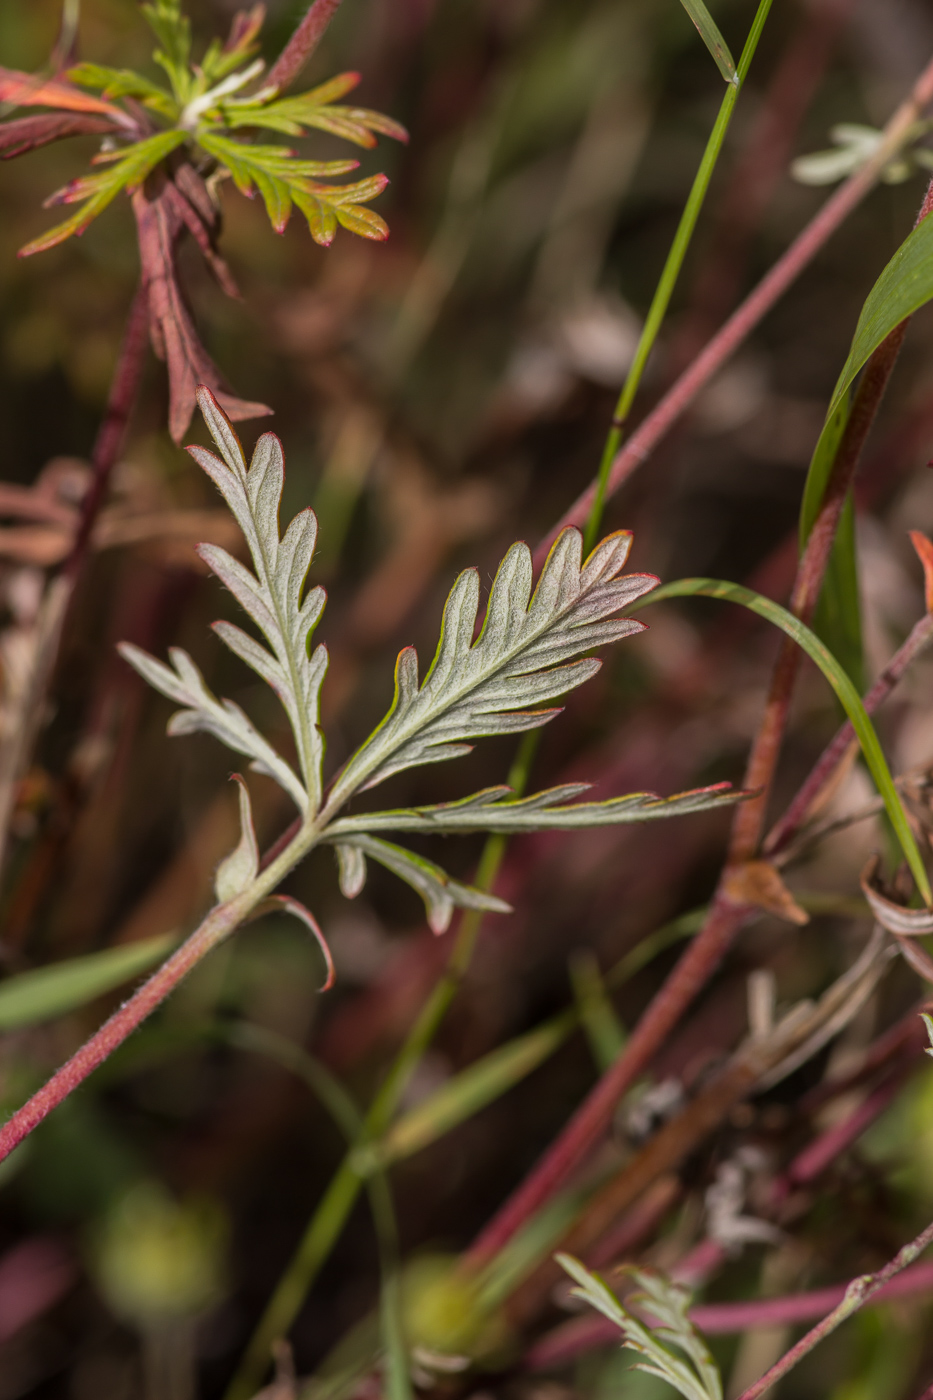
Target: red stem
[(114, 1031), (741, 323), (124, 389), (786, 828), (302, 44)]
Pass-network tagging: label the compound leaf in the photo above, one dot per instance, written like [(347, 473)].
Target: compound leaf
[(494, 809), (203, 711), (522, 657), (274, 595)]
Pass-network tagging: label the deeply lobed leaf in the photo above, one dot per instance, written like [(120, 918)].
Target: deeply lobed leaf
[(522, 657)]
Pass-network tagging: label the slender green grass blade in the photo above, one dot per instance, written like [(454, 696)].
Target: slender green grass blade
[(467, 1092), (838, 617), (841, 684), (709, 33), (904, 286), (601, 1025), (31, 997)]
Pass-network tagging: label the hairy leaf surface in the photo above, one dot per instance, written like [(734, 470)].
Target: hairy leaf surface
[(440, 893), (495, 809), (203, 711), (272, 596), (522, 657)]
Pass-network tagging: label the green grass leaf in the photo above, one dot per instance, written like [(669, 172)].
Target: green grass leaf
[(709, 33), (29, 998), (904, 286), (841, 684)]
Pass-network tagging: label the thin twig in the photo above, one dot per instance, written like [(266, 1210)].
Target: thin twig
[(25, 725), (302, 44), (859, 1291)]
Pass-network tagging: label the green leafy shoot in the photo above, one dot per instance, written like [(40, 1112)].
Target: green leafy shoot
[(673, 1349), (205, 111), (709, 33), (125, 171), (531, 648), (173, 31)]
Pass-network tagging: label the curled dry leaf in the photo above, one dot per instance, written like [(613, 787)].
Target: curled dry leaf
[(757, 882), (908, 923)]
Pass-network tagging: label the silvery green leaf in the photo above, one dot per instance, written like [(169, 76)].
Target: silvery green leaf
[(665, 1346), (494, 809), (351, 867), (203, 711), (274, 595), (522, 658), (239, 869), (440, 893)]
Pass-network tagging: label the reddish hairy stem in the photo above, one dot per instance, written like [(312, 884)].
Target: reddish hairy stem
[(786, 828), (859, 1291), (302, 44), (114, 1031), (740, 324)]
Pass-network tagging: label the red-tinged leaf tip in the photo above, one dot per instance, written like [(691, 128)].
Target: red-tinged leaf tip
[(293, 906), (924, 547), (25, 90)]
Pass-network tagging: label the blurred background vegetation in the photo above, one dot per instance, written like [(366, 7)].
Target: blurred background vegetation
[(439, 396)]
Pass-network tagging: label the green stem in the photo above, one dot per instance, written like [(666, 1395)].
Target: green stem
[(670, 274)]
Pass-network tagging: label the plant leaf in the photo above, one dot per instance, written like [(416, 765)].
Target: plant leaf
[(28, 133), (440, 893), (709, 33), (298, 911), (904, 286), (238, 870), (283, 180), (494, 809), (696, 1378), (95, 192), (241, 44), (351, 865), (841, 684), (314, 110), (173, 31), (29, 998), (123, 82), (203, 711), (163, 209), (273, 595), (519, 659), (464, 1094), (24, 90)]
